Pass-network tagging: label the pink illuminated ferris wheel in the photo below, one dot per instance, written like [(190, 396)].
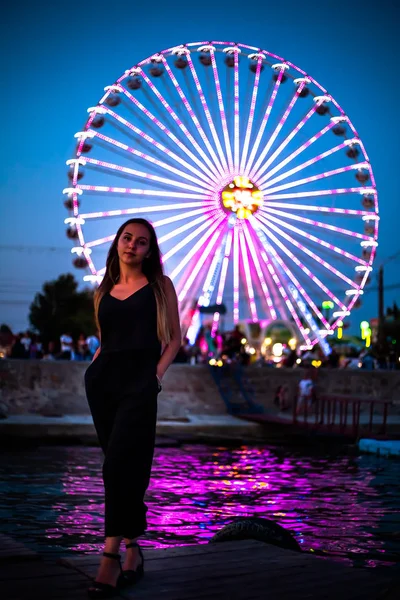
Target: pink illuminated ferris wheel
[(255, 179)]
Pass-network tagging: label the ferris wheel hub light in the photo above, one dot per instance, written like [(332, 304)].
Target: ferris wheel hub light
[(241, 197)]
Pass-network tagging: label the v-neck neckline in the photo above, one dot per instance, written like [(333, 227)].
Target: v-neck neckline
[(130, 295)]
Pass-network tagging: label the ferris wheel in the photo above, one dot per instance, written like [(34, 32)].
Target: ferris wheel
[(257, 183)]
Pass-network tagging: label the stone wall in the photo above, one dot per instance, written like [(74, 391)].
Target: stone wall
[(378, 385), (57, 387), (54, 388)]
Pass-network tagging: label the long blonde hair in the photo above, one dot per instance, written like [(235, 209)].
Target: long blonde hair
[(152, 268)]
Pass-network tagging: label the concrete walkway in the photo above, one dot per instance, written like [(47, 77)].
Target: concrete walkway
[(80, 427), (232, 570)]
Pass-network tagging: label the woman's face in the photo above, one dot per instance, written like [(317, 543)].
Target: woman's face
[(134, 244)]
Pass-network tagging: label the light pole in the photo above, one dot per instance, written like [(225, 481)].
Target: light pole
[(381, 302)]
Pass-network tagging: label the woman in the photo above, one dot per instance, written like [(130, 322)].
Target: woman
[(137, 313)]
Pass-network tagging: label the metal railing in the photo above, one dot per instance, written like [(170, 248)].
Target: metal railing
[(331, 412)]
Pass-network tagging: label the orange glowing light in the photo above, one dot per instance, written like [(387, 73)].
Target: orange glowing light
[(241, 197)]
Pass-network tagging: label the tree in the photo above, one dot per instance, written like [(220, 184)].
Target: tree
[(60, 308)]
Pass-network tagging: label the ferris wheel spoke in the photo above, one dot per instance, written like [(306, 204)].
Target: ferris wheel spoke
[(291, 156), (306, 180), (167, 167), (186, 133), (254, 172), (183, 228), (222, 277), (314, 223), (222, 111), (304, 165), (213, 271), (193, 116), (180, 217), (281, 276), (207, 113), (145, 137), (251, 115), (100, 241), (208, 286), (309, 253), (315, 239), (141, 210), (128, 171), (172, 136), (199, 263), (211, 225), (236, 273), (322, 209), (236, 122), (246, 267), (285, 269), (249, 165), (264, 287), (279, 280), (269, 273), (89, 261), (105, 189), (311, 194), (283, 247), (160, 223), (286, 141)]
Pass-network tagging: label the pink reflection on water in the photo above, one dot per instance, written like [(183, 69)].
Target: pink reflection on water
[(332, 505)]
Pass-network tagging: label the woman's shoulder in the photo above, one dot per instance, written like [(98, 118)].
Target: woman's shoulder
[(169, 286)]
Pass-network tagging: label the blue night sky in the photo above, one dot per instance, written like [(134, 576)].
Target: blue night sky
[(57, 58)]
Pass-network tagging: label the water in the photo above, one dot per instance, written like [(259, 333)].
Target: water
[(345, 507)]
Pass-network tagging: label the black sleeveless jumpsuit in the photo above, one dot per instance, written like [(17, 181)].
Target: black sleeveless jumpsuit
[(121, 388)]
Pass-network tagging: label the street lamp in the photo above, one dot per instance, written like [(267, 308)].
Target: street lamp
[(366, 333), (327, 305)]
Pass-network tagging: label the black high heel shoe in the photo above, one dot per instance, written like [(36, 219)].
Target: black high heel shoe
[(105, 590), (130, 577)]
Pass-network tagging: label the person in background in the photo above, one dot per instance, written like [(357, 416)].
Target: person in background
[(282, 397), (81, 347), (50, 354), (35, 349), (18, 348), (26, 341), (67, 346), (305, 393), (290, 360), (367, 362), (333, 359), (93, 343)]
